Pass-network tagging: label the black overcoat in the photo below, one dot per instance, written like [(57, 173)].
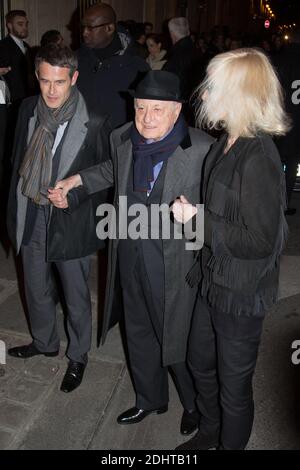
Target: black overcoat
[(183, 176)]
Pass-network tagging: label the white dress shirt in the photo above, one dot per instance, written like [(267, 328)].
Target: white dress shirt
[(19, 43)]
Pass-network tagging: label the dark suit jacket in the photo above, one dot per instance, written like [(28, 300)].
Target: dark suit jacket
[(18, 78), (183, 176), (71, 233)]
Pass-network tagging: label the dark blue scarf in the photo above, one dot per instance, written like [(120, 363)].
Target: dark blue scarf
[(146, 156)]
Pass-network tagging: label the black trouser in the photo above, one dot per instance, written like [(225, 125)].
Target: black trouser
[(222, 357), (144, 330)]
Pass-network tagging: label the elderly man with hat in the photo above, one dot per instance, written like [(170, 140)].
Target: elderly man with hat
[(152, 163)]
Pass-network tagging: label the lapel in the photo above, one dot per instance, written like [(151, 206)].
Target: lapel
[(75, 136), (31, 125), (176, 174), (15, 48), (124, 161)]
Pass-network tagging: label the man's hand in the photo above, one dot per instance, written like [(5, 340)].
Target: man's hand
[(183, 211), (56, 198), (58, 195)]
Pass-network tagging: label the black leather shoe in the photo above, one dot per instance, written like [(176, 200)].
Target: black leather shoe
[(134, 415), (201, 442), (29, 350), (189, 422), (73, 376)]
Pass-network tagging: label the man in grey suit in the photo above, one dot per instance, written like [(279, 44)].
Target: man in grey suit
[(55, 138), (152, 161)]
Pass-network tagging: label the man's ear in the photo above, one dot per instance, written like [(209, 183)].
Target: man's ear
[(9, 27), (74, 78), (178, 108), (111, 28)]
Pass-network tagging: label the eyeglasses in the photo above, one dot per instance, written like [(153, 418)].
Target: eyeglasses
[(90, 28)]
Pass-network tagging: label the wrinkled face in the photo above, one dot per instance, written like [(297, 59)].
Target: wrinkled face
[(153, 48), (18, 27), (96, 32), (55, 84), (154, 118)]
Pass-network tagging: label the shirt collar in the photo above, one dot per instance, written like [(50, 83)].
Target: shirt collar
[(19, 42)]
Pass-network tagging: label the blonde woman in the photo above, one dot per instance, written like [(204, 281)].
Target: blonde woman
[(245, 230), (156, 58)]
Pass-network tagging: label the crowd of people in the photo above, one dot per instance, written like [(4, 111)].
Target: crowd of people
[(120, 113)]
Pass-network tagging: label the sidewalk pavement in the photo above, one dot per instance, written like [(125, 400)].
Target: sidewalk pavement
[(35, 414)]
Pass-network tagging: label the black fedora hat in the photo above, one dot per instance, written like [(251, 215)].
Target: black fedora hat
[(158, 85)]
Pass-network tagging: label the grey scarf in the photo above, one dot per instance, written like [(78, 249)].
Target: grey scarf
[(36, 169)]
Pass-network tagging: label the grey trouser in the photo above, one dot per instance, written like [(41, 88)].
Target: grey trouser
[(40, 296)]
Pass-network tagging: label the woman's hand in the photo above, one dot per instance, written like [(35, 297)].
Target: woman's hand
[(183, 211)]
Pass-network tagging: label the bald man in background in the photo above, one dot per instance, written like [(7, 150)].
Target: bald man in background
[(106, 65)]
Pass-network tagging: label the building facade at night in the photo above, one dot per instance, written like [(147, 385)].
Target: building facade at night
[(240, 15)]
